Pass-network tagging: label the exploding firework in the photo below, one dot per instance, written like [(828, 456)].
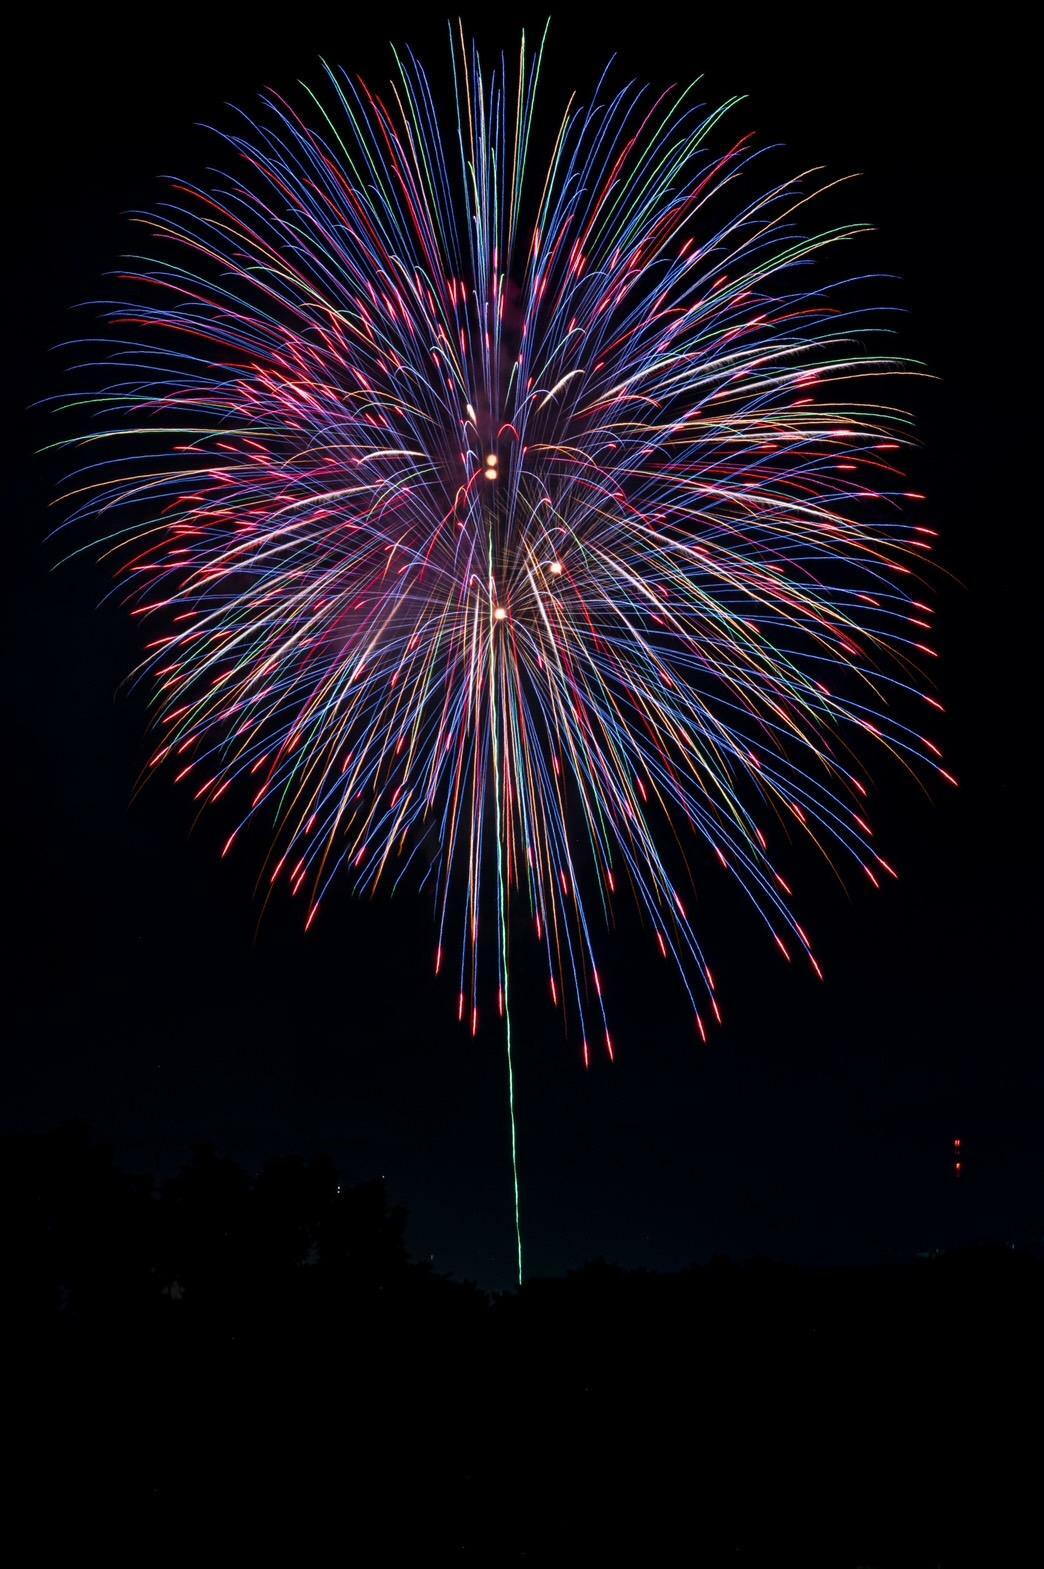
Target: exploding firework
[(504, 511)]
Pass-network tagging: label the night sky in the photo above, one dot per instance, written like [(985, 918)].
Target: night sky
[(145, 999)]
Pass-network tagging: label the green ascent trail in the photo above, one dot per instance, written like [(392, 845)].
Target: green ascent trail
[(502, 901)]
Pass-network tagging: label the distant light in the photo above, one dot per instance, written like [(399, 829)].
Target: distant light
[(556, 569), (491, 473), (491, 461), (500, 614)]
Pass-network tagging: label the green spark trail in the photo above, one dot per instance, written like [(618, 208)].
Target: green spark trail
[(494, 676)]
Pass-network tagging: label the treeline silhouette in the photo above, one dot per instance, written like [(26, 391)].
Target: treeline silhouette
[(222, 1351)]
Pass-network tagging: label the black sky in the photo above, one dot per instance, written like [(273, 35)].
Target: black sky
[(818, 1125)]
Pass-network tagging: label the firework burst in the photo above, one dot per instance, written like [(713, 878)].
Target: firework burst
[(502, 506)]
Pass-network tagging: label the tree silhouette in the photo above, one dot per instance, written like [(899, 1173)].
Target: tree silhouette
[(250, 1347)]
